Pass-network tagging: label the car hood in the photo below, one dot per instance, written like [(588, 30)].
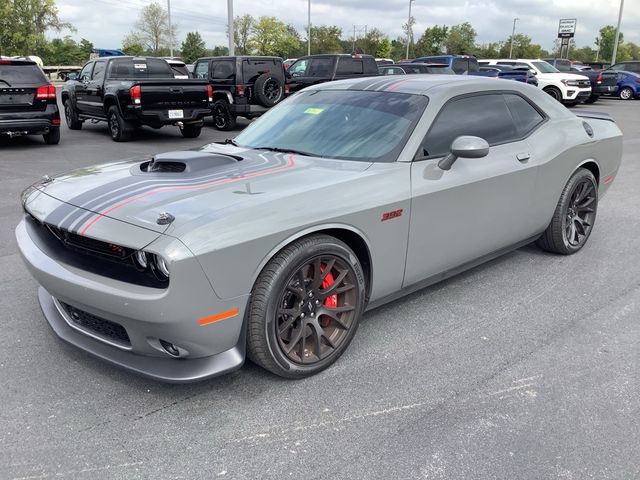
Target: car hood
[(563, 76), (216, 180)]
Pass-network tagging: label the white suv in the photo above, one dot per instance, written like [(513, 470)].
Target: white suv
[(567, 88)]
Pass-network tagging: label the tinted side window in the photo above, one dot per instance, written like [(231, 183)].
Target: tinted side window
[(484, 116), (201, 70), (460, 65), (525, 117), (320, 67), (349, 66), (85, 73), (254, 67), (617, 66), (16, 74), (98, 72), (222, 70)]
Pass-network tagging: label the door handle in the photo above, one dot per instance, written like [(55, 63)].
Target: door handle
[(523, 157)]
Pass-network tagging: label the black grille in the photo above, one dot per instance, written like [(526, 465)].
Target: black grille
[(91, 245), (104, 328)]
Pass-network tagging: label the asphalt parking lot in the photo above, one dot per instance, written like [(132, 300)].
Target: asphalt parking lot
[(526, 367)]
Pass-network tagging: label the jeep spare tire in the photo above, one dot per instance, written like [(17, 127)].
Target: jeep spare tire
[(268, 90)]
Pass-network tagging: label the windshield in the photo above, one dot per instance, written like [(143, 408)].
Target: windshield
[(21, 74), (545, 67), (343, 124)]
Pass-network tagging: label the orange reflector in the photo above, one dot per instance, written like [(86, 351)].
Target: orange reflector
[(218, 316)]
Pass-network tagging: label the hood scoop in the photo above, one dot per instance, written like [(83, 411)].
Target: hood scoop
[(187, 162)]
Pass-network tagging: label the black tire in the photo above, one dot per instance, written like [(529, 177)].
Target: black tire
[(626, 94), (223, 119), (53, 137), (574, 216), (276, 319), (119, 129), (555, 93), (191, 130), (268, 90), (571, 104), (71, 116), (592, 99)]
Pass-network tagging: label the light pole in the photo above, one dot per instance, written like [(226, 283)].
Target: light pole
[(232, 50), (615, 45), (409, 29), (513, 33), (309, 28), (170, 29)]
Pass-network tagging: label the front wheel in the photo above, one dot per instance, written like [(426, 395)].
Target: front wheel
[(592, 99), (626, 93), (555, 93), (574, 216), (305, 307), (71, 116)]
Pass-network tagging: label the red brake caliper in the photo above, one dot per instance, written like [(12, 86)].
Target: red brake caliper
[(332, 300)]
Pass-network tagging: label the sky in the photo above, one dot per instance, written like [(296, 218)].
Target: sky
[(106, 22)]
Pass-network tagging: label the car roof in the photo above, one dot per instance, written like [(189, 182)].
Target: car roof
[(242, 57), (413, 64), (16, 61)]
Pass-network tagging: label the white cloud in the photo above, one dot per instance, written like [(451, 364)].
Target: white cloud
[(106, 22)]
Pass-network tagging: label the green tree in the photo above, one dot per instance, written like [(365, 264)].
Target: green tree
[(398, 48), (219, 51), (583, 54), (64, 51), (407, 28), (242, 29), (606, 41), (488, 50), (270, 36), (461, 39), (522, 47), (152, 28), (326, 39), (132, 44), (384, 48), (432, 41), (371, 41), (23, 24), (193, 47)]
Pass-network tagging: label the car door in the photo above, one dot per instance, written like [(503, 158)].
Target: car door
[(480, 205), (94, 90), (81, 90), (310, 71)]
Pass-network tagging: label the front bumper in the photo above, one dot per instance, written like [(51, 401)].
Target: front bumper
[(147, 314), (574, 94)]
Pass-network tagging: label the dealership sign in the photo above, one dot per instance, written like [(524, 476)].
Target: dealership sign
[(567, 28)]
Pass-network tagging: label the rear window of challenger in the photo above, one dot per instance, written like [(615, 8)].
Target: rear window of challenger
[(343, 124)]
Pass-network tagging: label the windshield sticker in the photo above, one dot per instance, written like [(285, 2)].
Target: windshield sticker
[(314, 111)]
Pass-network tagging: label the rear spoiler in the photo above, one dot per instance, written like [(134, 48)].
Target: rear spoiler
[(595, 115)]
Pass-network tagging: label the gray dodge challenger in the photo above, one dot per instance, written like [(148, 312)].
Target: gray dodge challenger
[(272, 245)]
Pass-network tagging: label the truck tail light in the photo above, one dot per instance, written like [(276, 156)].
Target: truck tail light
[(136, 94), (599, 79), (240, 90), (637, 80), (210, 93), (46, 92)]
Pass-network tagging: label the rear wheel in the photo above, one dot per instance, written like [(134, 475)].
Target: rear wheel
[(53, 137), (305, 307), (119, 129), (626, 94), (71, 116), (223, 119), (574, 216), (555, 93), (191, 130), (592, 99)]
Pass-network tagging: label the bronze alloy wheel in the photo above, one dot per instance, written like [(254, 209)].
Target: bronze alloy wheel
[(316, 309)]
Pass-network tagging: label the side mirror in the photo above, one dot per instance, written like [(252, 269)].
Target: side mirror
[(464, 147)]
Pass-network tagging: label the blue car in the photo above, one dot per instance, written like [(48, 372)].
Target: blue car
[(628, 85)]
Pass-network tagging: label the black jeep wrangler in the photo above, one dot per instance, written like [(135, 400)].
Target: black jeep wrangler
[(243, 86)]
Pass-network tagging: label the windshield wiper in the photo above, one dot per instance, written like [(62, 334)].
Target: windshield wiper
[(1, 80), (288, 150)]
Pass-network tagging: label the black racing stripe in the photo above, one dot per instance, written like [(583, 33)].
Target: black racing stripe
[(75, 221), (59, 213)]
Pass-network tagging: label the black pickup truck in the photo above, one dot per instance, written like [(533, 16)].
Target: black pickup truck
[(128, 92)]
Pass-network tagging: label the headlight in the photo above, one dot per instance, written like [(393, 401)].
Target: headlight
[(161, 268), (141, 259), (571, 83)]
